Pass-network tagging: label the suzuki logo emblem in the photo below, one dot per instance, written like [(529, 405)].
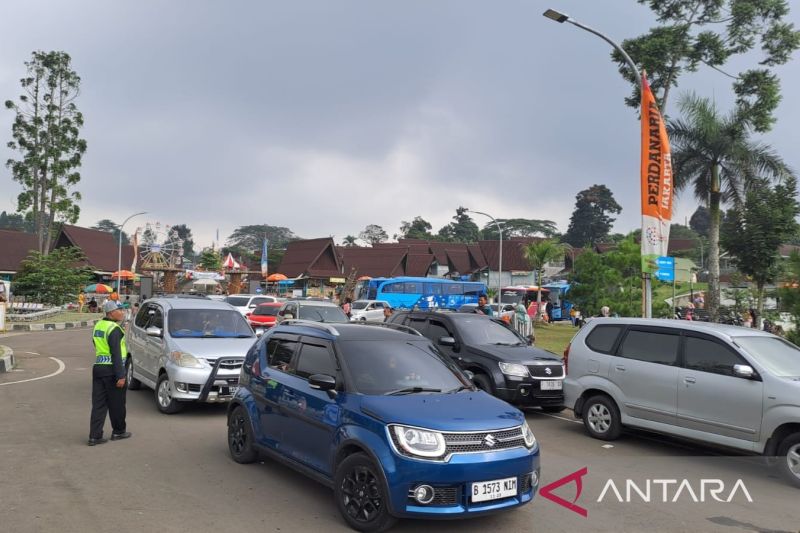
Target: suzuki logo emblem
[(548, 371), (490, 440)]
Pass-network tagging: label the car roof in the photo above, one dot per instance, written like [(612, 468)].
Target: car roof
[(351, 331), (324, 303), (691, 325), (189, 303), (270, 304)]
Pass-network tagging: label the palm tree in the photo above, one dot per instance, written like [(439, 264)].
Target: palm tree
[(538, 255), (715, 155)]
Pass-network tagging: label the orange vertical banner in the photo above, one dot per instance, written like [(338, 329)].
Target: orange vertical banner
[(657, 183)]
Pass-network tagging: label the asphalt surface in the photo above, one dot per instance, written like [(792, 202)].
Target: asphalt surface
[(175, 474)]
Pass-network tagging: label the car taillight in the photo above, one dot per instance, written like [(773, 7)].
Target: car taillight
[(566, 358)]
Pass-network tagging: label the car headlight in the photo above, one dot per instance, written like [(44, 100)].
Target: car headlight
[(186, 359), (527, 434), (514, 369), (420, 442)]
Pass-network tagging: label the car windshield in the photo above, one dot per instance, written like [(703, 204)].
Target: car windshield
[(359, 305), (780, 357), (323, 313), (207, 323), (266, 310), (237, 301), (480, 330), (379, 367)]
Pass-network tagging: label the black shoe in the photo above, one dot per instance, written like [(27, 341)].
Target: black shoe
[(120, 436), (95, 442)]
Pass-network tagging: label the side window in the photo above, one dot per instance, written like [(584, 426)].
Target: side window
[(454, 288), (433, 288), (142, 317), (377, 305), (314, 359), (602, 338), (413, 287), (706, 355), (436, 330), (650, 347), (417, 323), (158, 318), (280, 352)]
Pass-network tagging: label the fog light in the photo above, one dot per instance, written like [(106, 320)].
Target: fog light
[(534, 478), (524, 391), (424, 494), (181, 387)]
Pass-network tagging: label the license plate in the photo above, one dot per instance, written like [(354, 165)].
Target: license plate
[(551, 385), (494, 490)]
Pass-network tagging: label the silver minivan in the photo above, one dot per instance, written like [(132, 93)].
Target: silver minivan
[(725, 385), (187, 350)]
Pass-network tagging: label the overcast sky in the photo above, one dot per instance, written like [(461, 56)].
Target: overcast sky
[(325, 116)]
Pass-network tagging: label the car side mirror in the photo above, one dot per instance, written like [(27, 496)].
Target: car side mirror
[(323, 382), (153, 331), (447, 341), (744, 371)]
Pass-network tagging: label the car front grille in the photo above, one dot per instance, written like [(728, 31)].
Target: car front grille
[(540, 371), (483, 441), (525, 483), (227, 363)]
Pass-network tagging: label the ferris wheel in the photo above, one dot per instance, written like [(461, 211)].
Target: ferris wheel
[(161, 247)]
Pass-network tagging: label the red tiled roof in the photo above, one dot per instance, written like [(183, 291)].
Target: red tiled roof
[(315, 258), (476, 258), (100, 247), (14, 247), (513, 257), (458, 260), (418, 265), (382, 261)]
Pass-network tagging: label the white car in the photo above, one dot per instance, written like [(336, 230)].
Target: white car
[(368, 309), (245, 303)]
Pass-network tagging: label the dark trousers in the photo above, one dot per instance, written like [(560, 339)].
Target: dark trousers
[(106, 398)]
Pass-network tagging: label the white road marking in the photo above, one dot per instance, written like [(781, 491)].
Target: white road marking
[(34, 353), (606, 446), (61, 367)]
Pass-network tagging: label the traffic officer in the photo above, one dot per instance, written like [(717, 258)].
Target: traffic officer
[(108, 376)]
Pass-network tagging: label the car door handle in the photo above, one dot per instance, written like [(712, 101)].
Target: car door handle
[(689, 379), (620, 368)]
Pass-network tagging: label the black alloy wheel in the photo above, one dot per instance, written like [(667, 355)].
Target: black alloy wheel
[(361, 495), (240, 437)]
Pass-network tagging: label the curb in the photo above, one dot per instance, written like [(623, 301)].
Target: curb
[(51, 326), (6, 359)]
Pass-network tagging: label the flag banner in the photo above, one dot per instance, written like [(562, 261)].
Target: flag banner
[(135, 243), (657, 183), (264, 258)]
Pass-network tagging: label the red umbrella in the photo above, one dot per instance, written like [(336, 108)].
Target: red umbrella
[(276, 277)]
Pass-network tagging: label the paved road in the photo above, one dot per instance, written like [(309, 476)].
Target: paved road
[(175, 473)]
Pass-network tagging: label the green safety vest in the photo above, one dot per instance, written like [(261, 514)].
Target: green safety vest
[(100, 337)]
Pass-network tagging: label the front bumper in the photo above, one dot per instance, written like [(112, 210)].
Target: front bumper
[(217, 385), (453, 480), (530, 393)]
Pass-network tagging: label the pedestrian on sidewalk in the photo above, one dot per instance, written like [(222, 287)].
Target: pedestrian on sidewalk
[(108, 376)]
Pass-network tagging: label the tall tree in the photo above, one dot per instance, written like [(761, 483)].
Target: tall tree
[(185, 234), (590, 221), (349, 241), (789, 294), (701, 221), (111, 227), (46, 132), (715, 156), (462, 229), (373, 234), (538, 255), (419, 228), (251, 238), (53, 278), (697, 33), (753, 232), (520, 227), (210, 260)]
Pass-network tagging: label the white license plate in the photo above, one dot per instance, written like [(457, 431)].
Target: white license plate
[(551, 385), (494, 490)]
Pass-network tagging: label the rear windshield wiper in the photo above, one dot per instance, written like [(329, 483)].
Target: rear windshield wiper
[(410, 390)]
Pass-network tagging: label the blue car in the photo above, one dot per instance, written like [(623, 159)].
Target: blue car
[(378, 414)]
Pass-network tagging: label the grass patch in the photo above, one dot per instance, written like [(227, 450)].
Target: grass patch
[(662, 291), (554, 337)]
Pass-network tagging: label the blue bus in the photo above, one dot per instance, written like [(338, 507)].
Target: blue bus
[(424, 293)]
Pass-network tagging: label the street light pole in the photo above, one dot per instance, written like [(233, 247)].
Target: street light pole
[(500, 260), (119, 250), (562, 18)]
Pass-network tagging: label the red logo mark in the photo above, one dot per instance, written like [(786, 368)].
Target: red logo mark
[(575, 477)]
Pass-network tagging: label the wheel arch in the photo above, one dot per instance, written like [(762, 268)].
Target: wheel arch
[(780, 433)]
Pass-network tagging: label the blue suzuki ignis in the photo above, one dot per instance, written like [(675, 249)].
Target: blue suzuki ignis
[(378, 414)]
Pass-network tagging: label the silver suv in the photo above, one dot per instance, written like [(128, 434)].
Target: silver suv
[(314, 310), (187, 349), (725, 385)]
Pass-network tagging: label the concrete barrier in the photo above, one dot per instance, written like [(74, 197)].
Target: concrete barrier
[(6, 359)]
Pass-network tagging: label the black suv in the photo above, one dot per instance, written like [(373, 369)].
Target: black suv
[(504, 364)]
